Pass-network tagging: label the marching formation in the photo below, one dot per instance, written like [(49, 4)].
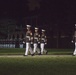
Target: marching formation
[(35, 42)]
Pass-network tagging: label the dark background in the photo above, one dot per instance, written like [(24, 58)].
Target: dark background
[(57, 17)]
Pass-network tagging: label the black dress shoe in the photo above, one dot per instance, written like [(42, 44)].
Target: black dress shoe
[(24, 55), (39, 54), (73, 55), (32, 54), (46, 52)]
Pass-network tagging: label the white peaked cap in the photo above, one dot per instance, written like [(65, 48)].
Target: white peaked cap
[(43, 30), (36, 28), (28, 25), (75, 25)]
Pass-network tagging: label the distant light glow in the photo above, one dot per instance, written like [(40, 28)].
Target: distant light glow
[(33, 4)]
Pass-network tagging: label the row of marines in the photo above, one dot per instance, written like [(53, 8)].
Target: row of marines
[(35, 42)]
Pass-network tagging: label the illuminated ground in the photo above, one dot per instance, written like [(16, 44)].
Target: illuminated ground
[(42, 56), (57, 62)]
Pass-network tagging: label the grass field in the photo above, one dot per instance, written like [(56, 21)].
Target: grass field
[(18, 51), (57, 62)]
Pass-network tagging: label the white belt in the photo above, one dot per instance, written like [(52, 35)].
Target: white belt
[(43, 39), (36, 39), (28, 37)]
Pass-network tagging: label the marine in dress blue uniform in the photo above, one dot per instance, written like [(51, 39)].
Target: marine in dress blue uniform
[(74, 41), (36, 41), (43, 42), (28, 41)]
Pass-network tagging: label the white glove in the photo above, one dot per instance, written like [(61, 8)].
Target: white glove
[(31, 42), (45, 43), (23, 42), (72, 41), (38, 42)]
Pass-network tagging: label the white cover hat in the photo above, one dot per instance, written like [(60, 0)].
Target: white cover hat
[(28, 25), (36, 28), (75, 25), (43, 30)]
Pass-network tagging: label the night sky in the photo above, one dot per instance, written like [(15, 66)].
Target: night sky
[(18, 8), (61, 12), (57, 17)]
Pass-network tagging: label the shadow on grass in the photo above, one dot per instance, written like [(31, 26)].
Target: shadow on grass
[(18, 51)]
